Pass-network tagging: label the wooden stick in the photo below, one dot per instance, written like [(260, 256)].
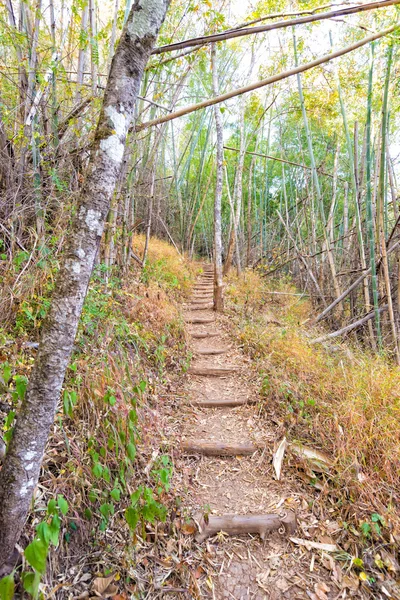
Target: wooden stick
[(218, 448), (209, 525), (226, 35), (259, 84)]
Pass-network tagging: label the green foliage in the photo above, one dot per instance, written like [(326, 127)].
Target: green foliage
[(7, 587), (47, 535)]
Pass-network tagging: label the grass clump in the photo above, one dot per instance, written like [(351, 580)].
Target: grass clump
[(337, 397)]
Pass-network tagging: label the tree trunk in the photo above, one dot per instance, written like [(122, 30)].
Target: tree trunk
[(20, 471), (218, 285)]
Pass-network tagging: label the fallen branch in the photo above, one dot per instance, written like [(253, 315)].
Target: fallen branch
[(285, 523), (350, 327)]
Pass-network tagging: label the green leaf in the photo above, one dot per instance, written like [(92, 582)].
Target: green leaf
[(131, 451), (21, 384), (51, 507), (36, 554), (7, 587), (116, 494), (97, 470), (365, 529), (31, 581), (6, 373), (107, 509), (54, 528), (132, 517), (62, 504)]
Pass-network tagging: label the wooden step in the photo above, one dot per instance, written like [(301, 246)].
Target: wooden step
[(223, 402), (202, 335), (213, 351), (210, 525), (212, 371), (199, 320), (206, 306), (218, 448)]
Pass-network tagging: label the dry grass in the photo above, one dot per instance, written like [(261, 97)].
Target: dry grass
[(336, 397)]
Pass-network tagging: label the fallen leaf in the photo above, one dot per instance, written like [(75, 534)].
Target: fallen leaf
[(350, 582), (319, 460), (188, 528), (317, 545), (103, 587), (278, 458), (320, 590), (263, 581)]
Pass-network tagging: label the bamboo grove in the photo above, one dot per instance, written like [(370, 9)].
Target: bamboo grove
[(275, 129)]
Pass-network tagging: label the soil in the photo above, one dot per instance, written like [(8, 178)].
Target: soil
[(245, 567)]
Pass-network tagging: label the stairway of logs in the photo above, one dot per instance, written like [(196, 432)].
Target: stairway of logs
[(204, 326)]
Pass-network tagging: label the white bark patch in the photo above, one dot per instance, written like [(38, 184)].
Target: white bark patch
[(26, 487), (29, 467), (146, 18), (80, 253), (30, 455), (113, 146), (92, 221)]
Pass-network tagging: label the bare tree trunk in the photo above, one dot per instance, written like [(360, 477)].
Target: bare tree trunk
[(149, 217), (82, 53), (218, 286), (22, 462)]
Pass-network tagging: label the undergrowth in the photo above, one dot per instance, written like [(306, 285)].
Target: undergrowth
[(335, 397), (100, 480)]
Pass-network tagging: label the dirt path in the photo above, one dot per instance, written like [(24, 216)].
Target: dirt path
[(245, 567)]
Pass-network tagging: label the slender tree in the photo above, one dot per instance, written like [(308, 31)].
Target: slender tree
[(20, 471), (218, 285)]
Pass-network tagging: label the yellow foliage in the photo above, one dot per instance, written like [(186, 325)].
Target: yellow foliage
[(343, 399)]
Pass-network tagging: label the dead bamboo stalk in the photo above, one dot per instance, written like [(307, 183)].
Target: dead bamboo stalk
[(259, 84), (350, 327), (351, 288), (227, 35)]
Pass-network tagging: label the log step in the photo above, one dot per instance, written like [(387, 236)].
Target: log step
[(239, 524), (205, 306), (212, 371), (202, 335), (213, 351), (223, 402), (199, 320), (218, 448)]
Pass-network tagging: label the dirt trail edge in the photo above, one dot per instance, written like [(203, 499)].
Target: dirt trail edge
[(243, 515)]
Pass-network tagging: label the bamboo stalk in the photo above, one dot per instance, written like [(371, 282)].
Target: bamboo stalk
[(259, 84), (218, 37)]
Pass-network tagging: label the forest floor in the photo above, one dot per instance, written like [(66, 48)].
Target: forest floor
[(318, 560), (131, 432)]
